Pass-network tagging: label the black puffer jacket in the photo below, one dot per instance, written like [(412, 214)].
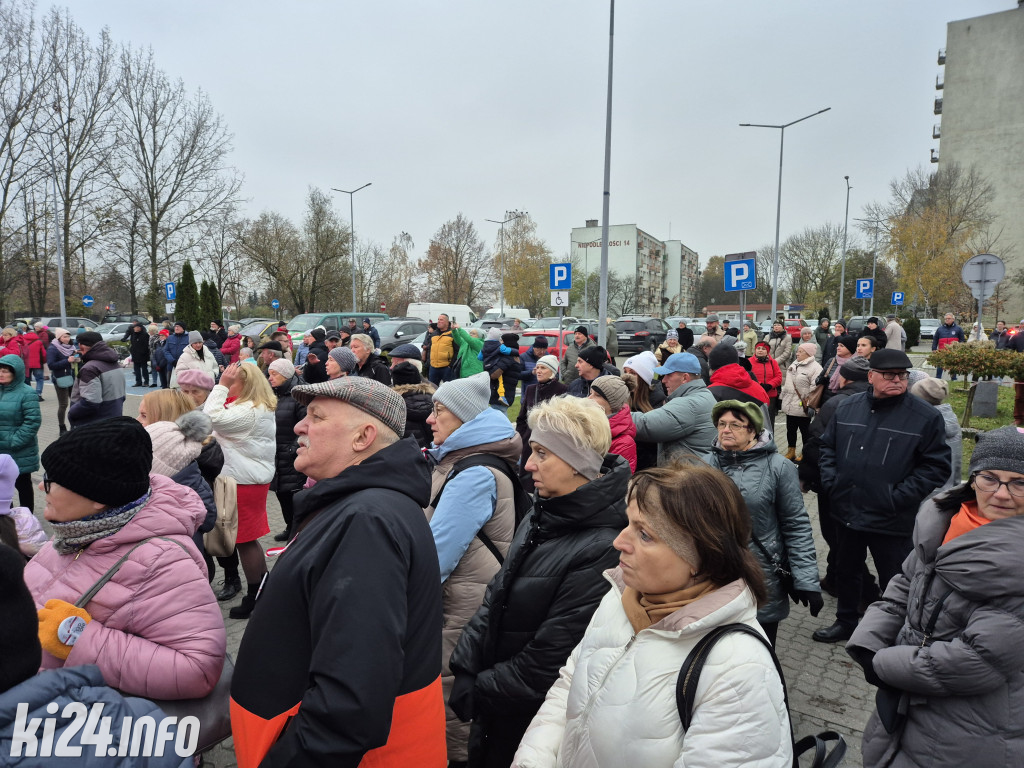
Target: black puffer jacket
[(537, 608), (138, 344), (418, 406), (289, 412), (374, 368)]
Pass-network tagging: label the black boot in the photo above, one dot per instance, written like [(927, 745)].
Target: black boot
[(232, 586), (283, 535), (244, 609)]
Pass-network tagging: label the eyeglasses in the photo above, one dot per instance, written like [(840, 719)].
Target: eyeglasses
[(734, 427), (438, 410), (46, 483), (892, 375), (991, 483)]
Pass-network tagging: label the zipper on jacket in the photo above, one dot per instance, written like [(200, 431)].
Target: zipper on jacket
[(591, 700)]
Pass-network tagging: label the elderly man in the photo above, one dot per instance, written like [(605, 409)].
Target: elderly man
[(439, 350), (269, 352), (371, 366), (701, 350), (947, 333), (404, 353), (351, 614), (880, 457), (99, 390), (683, 425), (807, 337), (893, 333), (581, 340)]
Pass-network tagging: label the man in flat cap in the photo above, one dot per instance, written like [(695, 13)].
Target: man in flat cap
[(341, 661), (880, 457)]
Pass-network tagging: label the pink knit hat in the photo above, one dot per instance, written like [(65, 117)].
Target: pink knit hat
[(176, 444), (195, 378), (809, 348)]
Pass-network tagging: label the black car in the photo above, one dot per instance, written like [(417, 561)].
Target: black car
[(394, 332), (639, 332)]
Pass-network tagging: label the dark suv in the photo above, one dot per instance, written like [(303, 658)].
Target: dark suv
[(639, 332)]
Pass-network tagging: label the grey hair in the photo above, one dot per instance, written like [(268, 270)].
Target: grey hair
[(364, 339), (705, 342)]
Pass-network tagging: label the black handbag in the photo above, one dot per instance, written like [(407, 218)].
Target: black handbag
[(686, 695), (782, 573)]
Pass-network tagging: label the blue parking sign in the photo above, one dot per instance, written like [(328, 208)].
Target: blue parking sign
[(560, 276), (740, 275), (897, 298), (865, 288)]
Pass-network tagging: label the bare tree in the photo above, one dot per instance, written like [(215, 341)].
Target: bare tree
[(221, 260), (456, 269), (811, 261)]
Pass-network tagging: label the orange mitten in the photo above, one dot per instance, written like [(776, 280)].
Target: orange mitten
[(60, 626)]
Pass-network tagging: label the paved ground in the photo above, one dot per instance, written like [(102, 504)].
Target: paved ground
[(826, 689)]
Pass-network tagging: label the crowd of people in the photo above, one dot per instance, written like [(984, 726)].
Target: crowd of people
[(456, 587)]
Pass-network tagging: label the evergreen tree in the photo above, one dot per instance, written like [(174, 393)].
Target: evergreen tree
[(212, 306), (188, 309)]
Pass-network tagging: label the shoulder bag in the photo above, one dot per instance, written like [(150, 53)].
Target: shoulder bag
[(220, 541), (782, 573), (213, 710), (686, 695)]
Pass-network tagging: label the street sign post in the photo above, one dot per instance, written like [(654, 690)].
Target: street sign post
[(560, 277), (169, 291), (982, 274), (275, 304), (88, 301), (740, 275), (865, 288), (897, 298)]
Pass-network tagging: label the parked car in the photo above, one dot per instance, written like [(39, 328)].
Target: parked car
[(674, 320), (552, 322), (112, 331), (331, 321), (639, 332), (259, 330), (794, 326), (70, 323), (125, 319), (857, 324), (249, 320), (698, 328), (395, 332), (557, 340), (928, 327)]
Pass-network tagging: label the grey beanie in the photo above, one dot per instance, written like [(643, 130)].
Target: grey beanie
[(345, 358), (931, 390), (195, 337), (467, 398), (855, 368), (613, 389), (1000, 449)]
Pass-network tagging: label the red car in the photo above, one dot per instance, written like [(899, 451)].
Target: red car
[(555, 345), (793, 328)]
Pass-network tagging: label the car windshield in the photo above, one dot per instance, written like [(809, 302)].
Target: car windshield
[(547, 322), (253, 329), (106, 328), (630, 326), (388, 327), (305, 322), (420, 339)]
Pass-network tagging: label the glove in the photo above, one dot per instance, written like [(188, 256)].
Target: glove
[(60, 626), (866, 658), (812, 599), (766, 387), (461, 698)]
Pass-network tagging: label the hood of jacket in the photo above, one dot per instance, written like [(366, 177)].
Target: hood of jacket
[(601, 503), (622, 423), (15, 362), (423, 388), (733, 375), (981, 564), (487, 427), (686, 388), (30, 337), (376, 472), (102, 352)]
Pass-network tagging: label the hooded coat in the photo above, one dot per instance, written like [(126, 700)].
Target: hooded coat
[(623, 436), (682, 425), (467, 348), (478, 499), (232, 344), (733, 382), (98, 392), (537, 608), (156, 628), (767, 373), (780, 346), (19, 418), (33, 350), (189, 360), (419, 404), (962, 684), (614, 702), (770, 486)]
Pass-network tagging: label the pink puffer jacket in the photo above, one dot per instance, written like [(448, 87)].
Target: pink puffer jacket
[(156, 629)]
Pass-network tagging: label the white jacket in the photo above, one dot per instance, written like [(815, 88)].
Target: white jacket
[(247, 435), (798, 384), (189, 360), (614, 703)]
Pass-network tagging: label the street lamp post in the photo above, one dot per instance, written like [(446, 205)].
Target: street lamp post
[(874, 258), (778, 207), (586, 281), (511, 217), (842, 272), (352, 235)]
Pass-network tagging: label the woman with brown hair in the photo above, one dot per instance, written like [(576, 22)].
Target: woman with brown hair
[(684, 570)]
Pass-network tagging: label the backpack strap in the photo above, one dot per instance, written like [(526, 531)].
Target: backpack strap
[(85, 599)]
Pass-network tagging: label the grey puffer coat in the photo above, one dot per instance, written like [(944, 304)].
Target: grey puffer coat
[(963, 684), (770, 486)]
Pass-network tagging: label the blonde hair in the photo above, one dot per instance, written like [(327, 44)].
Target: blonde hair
[(255, 388), (582, 420), (9, 332), (167, 404)]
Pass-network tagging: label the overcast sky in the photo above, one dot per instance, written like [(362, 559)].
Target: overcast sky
[(483, 107)]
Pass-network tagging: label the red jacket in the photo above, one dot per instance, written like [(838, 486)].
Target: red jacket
[(11, 347), (767, 371), (624, 436), (734, 377), (230, 348), (34, 353)]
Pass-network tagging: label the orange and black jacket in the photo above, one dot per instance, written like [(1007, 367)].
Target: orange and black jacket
[(341, 662)]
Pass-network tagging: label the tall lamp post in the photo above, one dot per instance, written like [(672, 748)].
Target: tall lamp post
[(512, 216), (778, 207), (874, 257), (586, 276), (842, 272), (352, 235)]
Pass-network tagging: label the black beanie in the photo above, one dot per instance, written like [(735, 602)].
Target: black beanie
[(721, 355), (510, 340), (405, 373), (89, 338), (849, 342), (106, 461), (595, 356), (19, 630), (541, 342)]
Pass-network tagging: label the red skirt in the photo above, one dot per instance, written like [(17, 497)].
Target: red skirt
[(252, 512)]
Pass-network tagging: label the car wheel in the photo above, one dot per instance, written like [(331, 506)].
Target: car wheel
[(654, 346)]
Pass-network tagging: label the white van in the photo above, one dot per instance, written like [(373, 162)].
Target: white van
[(495, 312), (429, 310)]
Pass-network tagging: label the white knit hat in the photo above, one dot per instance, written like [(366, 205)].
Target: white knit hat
[(176, 444), (466, 398), (644, 365), (549, 361), (282, 367)]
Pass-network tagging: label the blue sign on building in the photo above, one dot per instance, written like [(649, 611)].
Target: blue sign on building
[(865, 288), (560, 276), (740, 275)]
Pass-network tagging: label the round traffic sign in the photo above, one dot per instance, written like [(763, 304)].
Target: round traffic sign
[(383, 306), (275, 304), (982, 274), (88, 301)]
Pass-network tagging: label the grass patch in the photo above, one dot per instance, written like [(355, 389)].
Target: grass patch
[(513, 410)]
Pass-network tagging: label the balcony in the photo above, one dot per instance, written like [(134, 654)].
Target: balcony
[(935, 155), (938, 106), (937, 131), (942, 56), (939, 82)]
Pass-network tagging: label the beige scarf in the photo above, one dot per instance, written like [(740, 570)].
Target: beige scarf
[(645, 610)]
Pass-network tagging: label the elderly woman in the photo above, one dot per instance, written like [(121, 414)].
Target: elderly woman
[(780, 344), (19, 425), (943, 646), (196, 356), (197, 385), (547, 387), (537, 607), (670, 346), (612, 394), (782, 536), (231, 344), (341, 362), (59, 356), (684, 570), (800, 380), (154, 630), (242, 407)]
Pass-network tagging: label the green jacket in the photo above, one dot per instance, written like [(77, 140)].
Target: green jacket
[(468, 348), (19, 417)]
